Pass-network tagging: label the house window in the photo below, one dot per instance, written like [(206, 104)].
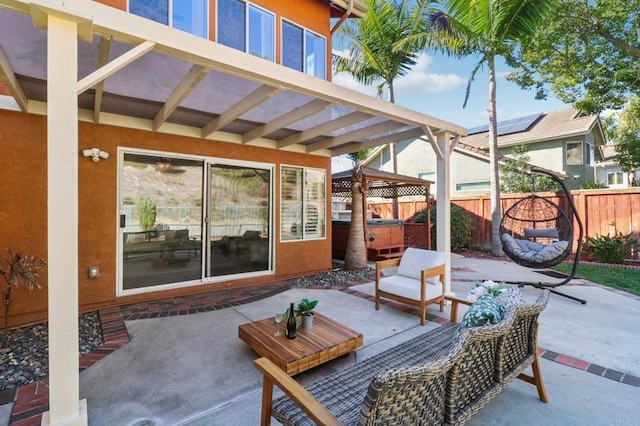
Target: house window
[(186, 15), (246, 27), (615, 178), (574, 153), (303, 50), (303, 203), (591, 155), (474, 186)]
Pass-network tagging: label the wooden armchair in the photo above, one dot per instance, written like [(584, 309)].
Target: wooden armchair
[(416, 279)]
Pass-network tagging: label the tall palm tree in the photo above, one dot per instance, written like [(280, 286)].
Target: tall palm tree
[(490, 29), (371, 59), (356, 253)]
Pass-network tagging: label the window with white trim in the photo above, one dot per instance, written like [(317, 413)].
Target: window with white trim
[(302, 215), (246, 27), (615, 178), (187, 15), (303, 50), (574, 153)]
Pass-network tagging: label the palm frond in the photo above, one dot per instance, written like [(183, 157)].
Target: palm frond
[(472, 77)]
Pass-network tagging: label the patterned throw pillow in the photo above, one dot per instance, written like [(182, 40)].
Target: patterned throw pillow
[(484, 311), (510, 296)]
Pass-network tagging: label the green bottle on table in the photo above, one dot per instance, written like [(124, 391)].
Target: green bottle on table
[(291, 323)]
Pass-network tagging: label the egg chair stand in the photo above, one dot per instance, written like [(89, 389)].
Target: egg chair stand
[(537, 233)]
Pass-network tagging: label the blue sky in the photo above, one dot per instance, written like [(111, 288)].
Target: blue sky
[(436, 86)]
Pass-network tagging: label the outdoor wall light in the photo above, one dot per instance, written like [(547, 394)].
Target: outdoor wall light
[(95, 154)]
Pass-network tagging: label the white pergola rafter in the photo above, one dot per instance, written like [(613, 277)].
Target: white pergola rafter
[(292, 116), (114, 66), (103, 58), (383, 140), (184, 88), (255, 98), (14, 86), (330, 126), (365, 132)]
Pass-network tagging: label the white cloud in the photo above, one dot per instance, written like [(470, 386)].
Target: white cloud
[(420, 80), (345, 80), (417, 80)]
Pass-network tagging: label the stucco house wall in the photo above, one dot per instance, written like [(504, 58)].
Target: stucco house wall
[(24, 224)]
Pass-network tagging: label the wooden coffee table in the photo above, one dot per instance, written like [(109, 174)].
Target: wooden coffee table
[(327, 340)]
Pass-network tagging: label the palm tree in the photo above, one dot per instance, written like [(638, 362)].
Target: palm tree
[(490, 29), (369, 39), (356, 253)]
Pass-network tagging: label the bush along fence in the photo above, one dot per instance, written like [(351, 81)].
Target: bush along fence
[(604, 213)]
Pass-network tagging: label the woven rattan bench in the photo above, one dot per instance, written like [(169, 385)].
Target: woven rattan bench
[(433, 379)]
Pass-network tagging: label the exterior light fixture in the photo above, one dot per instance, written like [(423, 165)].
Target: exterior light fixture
[(95, 153)]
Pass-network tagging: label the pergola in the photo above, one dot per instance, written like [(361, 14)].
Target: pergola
[(382, 184), (79, 60)]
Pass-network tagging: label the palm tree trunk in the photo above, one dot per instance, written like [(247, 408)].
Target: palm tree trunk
[(494, 178), (394, 153), (356, 252)]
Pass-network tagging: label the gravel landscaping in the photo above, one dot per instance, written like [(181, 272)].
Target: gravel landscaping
[(28, 357)]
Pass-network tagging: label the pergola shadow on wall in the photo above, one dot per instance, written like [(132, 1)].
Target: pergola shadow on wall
[(386, 185)]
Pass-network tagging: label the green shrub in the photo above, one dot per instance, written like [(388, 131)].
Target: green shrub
[(593, 185), (610, 249), (146, 214), (460, 227)]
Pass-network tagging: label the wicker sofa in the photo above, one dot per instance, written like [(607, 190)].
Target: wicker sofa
[(436, 378)]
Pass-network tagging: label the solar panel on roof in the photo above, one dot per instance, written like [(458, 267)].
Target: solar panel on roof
[(506, 127)]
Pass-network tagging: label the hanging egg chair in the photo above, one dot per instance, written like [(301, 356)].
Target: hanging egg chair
[(536, 233)]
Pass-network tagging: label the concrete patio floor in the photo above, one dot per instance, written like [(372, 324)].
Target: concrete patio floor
[(193, 369)]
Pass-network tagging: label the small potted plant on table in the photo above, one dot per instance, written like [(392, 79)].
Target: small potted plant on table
[(305, 310)]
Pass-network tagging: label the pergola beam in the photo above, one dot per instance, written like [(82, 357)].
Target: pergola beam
[(184, 88), (365, 132), (14, 85), (255, 98), (297, 114), (330, 126), (103, 58), (117, 64), (383, 140)]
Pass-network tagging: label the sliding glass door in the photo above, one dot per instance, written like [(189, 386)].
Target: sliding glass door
[(180, 225), (239, 232)]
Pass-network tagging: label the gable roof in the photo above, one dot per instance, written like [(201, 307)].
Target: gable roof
[(561, 124), (609, 152), (483, 154)]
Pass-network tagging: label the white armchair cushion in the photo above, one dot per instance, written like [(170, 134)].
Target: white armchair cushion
[(409, 287), (414, 260)]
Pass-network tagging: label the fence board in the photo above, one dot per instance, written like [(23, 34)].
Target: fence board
[(597, 209)]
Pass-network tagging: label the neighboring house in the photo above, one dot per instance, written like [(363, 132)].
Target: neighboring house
[(608, 171), (147, 160), (563, 142)]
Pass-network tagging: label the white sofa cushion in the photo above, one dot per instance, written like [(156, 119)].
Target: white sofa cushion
[(414, 260), (409, 287)]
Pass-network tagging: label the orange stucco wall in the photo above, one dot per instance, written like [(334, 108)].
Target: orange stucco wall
[(23, 215), (4, 90), (311, 14)]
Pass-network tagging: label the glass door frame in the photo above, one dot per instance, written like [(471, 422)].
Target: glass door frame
[(205, 258)]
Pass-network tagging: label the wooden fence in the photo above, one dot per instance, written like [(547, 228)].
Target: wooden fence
[(602, 211)]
